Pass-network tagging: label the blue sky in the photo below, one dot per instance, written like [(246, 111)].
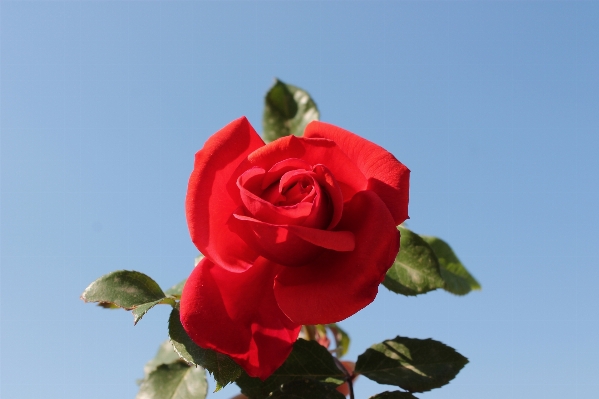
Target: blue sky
[(494, 106)]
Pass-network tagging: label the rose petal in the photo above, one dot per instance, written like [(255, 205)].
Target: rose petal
[(237, 314), (386, 176), (287, 244), (341, 241), (328, 182), (297, 186), (250, 186), (338, 284), (314, 151), (212, 195), (280, 168), (321, 206)]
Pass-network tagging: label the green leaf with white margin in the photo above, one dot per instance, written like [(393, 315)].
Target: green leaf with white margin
[(129, 290), (174, 381), (287, 110), (415, 269), (306, 388), (393, 395), (457, 278), (308, 360), (416, 365), (224, 369), (166, 355), (341, 339)]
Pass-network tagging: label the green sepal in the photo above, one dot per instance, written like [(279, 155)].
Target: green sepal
[(416, 365), (287, 110), (415, 270), (174, 381), (222, 367), (308, 360), (457, 278)]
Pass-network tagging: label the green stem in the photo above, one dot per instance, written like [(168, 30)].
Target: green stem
[(348, 377)]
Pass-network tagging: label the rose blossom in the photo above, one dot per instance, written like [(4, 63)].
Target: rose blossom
[(298, 231)]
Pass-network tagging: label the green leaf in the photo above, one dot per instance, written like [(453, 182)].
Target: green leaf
[(123, 288), (308, 360), (174, 381), (166, 355), (306, 389), (280, 99), (457, 278), (287, 110), (341, 339), (416, 365), (129, 290), (176, 290), (416, 269), (224, 369), (393, 395), (141, 310)]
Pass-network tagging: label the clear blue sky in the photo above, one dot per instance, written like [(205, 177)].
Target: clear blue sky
[(494, 106)]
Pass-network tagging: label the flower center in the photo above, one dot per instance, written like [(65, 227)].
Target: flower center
[(295, 191)]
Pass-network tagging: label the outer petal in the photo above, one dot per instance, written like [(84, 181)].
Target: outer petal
[(237, 314), (212, 194), (314, 151), (386, 176), (338, 284)]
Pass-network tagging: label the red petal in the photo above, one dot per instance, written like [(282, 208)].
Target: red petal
[(297, 186), (212, 194), (314, 151), (282, 167), (329, 183), (338, 284), (237, 314), (386, 176), (250, 185), (290, 245)]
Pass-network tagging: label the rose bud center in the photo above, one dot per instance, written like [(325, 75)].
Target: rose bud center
[(301, 189), (289, 212)]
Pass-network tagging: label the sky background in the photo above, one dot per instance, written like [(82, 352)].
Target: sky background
[(494, 106)]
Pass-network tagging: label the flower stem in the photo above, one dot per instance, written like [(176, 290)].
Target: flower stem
[(348, 377)]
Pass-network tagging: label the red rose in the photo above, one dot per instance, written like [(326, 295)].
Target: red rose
[(299, 231)]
